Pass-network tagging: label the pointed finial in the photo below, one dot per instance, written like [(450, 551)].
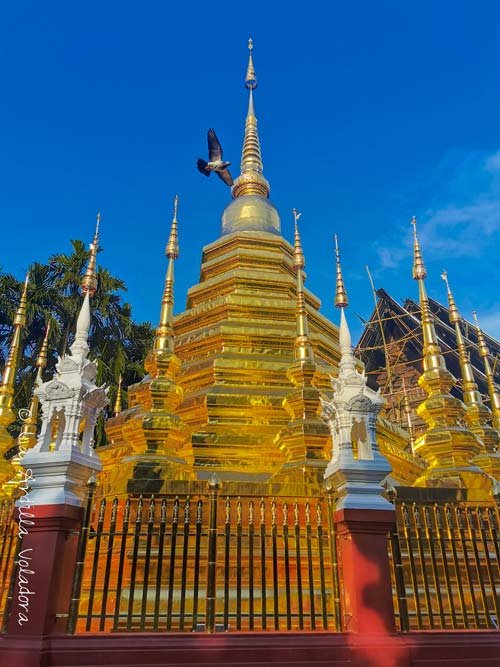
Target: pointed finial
[(118, 401), (89, 282), (341, 300), (41, 361), (251, 78), (454, 314), (172, 249), (490, 379), (303, 347), (251, 180), (298, 255), (10, 368), (419, 272), (164, 339)]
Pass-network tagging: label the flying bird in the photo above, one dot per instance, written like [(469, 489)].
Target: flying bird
[(215, 161)]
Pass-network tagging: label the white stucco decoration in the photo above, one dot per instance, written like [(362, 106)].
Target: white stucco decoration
[(357, 468), (64, 458)]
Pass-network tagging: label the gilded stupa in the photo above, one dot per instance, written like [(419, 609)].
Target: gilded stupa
[(234, 381)]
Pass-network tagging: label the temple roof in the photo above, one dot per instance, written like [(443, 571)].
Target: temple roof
[(391, 322)]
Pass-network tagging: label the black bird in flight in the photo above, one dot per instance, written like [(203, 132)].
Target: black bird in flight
[(215, 161)]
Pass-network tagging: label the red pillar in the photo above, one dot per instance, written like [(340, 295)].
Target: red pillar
[(364, 570), (44, 576)]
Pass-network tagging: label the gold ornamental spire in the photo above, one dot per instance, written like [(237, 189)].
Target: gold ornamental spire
[(409, 421), (9, 371), (341, 300), (7, 393), (251, 180), (470, 391), (303, 347), (27, 435), (431, 350), (118, 401), (448, 448), (89, 282), (164, 339), (492, 389)]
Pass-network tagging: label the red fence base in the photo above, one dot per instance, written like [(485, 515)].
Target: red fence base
[(480, 648)]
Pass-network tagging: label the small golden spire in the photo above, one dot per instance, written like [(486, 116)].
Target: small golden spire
[(409, 421), (470, 391), (9, 371), (89, 282), (27, 435), (492, 389), (164, 340), (118, 401), (251, 180), (431, 350), (341, 300), (303, 347), (41, 361), (419, 272)]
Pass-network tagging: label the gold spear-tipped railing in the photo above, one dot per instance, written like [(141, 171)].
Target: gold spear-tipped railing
[(446, 566), (206, 564)]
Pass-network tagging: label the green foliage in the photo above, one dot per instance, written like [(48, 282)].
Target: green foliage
[(117, 342)]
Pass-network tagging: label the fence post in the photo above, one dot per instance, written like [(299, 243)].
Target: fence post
[(81, 550), (211, 597)]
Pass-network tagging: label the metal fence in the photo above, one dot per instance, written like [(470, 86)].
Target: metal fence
[(446, 566), (207, 563)]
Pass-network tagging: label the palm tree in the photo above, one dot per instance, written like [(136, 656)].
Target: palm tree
[(117, 342)]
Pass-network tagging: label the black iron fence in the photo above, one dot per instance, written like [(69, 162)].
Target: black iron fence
[(446, 566)]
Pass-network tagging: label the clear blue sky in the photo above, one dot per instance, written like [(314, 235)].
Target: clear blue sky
[(369, 113)]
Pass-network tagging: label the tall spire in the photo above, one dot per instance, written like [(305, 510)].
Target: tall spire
[(80, 348), (431, 350), (7, 392), (9, 371), (27, 436), (251, 180), (472, 397), (492, 389), (164, 339), (347, 363), (303, 347), (341, 300), (446, 446), (477, 416), (89, 282)]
